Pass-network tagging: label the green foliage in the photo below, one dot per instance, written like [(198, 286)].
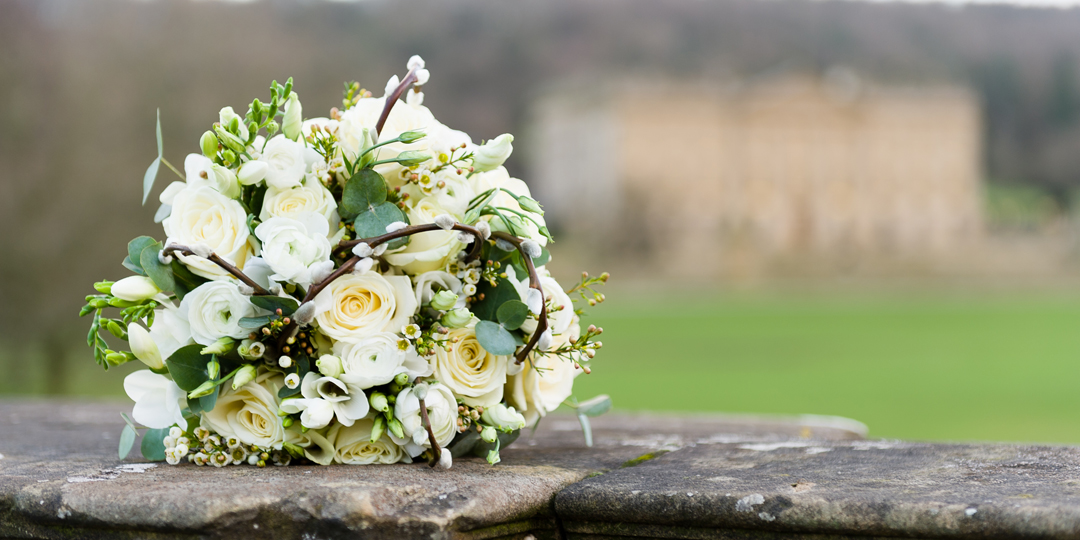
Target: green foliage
[(494, 297), (161, 274), (512, 314), (496, 339), (252, 323), (287, 306), (127, 441), (152, 170), (184, 280), (188, 367), (153, 444), (364, 202)]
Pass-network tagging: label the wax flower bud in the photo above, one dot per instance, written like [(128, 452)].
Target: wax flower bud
[(488, 434), (204, 389), (444, 300), (244, 376), (506, 419), (493, 153), (456, 318), (135, 289), (330, 365), (143, 347), (209, 144), (252, 172), (293, 122)]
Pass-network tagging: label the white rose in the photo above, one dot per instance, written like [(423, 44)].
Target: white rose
[(354, 447), (377, 359), (293, 247), (499, 178), (200, 171), (158, 401), (214, 309), (541, 387), (442, 413), (403, 117), (286, 162), (354, 307), (309, 197), (202, 215), (250, 413), (426, 251), (428, 283), (470, 371)]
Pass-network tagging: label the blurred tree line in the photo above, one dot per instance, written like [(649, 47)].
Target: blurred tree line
[(80, 80)]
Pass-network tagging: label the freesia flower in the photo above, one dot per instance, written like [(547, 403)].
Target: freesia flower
[(158, 400)]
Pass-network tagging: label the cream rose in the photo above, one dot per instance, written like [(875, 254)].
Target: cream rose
[(354, 447), (499, 178), (202, 215), (428, 283), (213, 311), (538, 392), (377, 359), (426, 251), (289, 203), (472, 373), (403, 117), (250, 413), (442, 412), (286, 162), (354, 307), (294, 247)]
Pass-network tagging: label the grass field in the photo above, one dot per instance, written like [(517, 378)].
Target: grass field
[(921, 366), (918, 367)]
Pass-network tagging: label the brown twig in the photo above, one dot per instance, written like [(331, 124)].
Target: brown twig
[(534, 283), (214, 258), (431, 434), (393, 97)]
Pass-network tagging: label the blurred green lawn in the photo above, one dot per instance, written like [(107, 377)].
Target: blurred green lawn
[(945, 367), (916, 366)]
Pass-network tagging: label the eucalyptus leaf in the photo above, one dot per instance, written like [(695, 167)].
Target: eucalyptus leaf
[(153, 444), (482, 447), (162, 213), (373, 221), (127, 441), (184, 279), (205, 403), (286, 391), (149, 177), (273, 303), (495, 339), (494, 297), (586, 429), (363, 191), (127, 263), (463, 443), (251, 323), (518, 261), (136, 247), (512, 314), (595, 406), (188, 367), (161, 274), (160, 147)]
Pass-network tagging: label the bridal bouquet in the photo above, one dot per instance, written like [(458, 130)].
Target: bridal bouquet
[(363, 288)]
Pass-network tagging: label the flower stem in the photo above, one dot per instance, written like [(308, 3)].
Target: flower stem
[(173, 169)]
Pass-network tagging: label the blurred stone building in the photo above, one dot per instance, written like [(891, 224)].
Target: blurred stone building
[(712, 178)]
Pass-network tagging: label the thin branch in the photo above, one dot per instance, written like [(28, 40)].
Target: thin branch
[(534, 283), (410, 230), (214, 258), (393, 97), (431, 435)]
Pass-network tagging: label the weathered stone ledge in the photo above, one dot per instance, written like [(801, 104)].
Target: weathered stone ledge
[(647, 477)]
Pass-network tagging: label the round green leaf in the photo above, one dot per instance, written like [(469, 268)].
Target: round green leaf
[(512, 314), (153, 444), (373, 221), (136, 247), (495, 339), (161, 274), (595, 406), (188, 367), (494, 298), (363, 191)]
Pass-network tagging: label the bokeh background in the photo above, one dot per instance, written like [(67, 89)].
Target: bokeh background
[(827, 207)]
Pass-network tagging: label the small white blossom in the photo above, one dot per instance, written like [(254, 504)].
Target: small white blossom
[(176, 432), (472, 276), (469, 289), (170, 456), (169, 441), (285, 361), (292, 380), (181, 450), (411, 331), (201, 433)]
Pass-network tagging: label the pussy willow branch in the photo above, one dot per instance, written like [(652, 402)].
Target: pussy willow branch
[(393, 97), (431, 435), (534, 283), (214, 258)]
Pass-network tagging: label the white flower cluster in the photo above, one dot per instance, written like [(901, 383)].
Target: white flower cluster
[(340, 291)]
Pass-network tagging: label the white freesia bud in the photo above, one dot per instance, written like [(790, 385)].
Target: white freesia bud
[(322, 270), (493, 153), (292, 380), (544, 343), (227, 115), (488, 434), (415, 61), (143, 347), (219, 347), (445, 221), (252, 172), (535, 300), (446, 460), (485, 229), (531, 248), (135, 289), (391, 85), (201, 250), (330, 365), (304, 314), (244, 376), (502, 417), (285, 361), (293, 122), (444, 300), (395, 226), (362, 250)]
